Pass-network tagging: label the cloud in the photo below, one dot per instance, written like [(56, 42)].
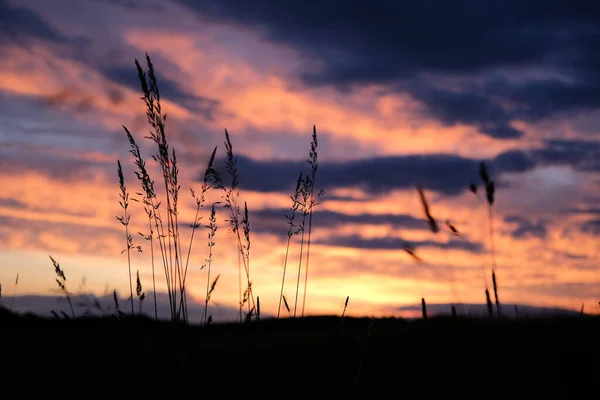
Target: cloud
[(444, 173), (169, 89), (22, 206), (455, 61), (573, 290), (390, 243), (525, 227), (591, 227), (17, 23), (59, 165), (273, 221), (55, 236), (132, 5), (582, 155)]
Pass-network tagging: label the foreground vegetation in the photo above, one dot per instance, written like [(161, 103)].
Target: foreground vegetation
[(173, 359)]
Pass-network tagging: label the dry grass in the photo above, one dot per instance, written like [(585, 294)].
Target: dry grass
[(313, 161), (231, 195), (212, 226), (61, 280), (292, 231), (139, 291), (164, 227)]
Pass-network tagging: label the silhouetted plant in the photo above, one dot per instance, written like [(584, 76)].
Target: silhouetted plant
[(490, 189), (343, 315), (305, 191), (207, 300), (287, 306), (210, 176), (12, 300), (212, 227), (166, 229), (124, 202), (231, 203), (495, 286), (138, 290), (116, 303), (432, 222), (150, 205), (61, 280), (296, 203), (488, 300), (313, 162)]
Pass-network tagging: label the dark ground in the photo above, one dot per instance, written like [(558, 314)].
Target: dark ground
[(154, 358)]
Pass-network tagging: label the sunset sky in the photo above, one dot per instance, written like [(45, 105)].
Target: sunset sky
[(401, 95)]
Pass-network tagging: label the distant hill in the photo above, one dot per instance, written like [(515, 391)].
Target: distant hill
[(87, 304), (480, 310)]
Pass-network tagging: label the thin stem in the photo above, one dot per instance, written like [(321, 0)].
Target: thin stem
[(240, 284), (491, 224), (299, 266), (207, 289), (129, 261), (287, 250), (307, 254), (152, 258)]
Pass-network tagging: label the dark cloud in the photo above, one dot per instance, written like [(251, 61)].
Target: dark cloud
[(444, 173), (273, 220), (388, 243), (132, 5), (72, 100), (582, 155), (424, 49), (170, 90), (580, 211), (527, 228), (469, 107), (19, 205), (17, 159), (591, 227), (514, 161), (17, 24)]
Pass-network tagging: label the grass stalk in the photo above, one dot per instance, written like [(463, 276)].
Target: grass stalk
[(139, 291), (61, 280), (306, 189), (313, 161), (231, 202), (490, 189), (291, 232), (212, 226), (124, 202), (343, 315), (12, 300)]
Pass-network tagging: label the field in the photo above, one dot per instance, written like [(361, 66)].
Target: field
[(164, 360)]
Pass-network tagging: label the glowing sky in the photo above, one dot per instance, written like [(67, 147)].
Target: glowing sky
[(400, 94)]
